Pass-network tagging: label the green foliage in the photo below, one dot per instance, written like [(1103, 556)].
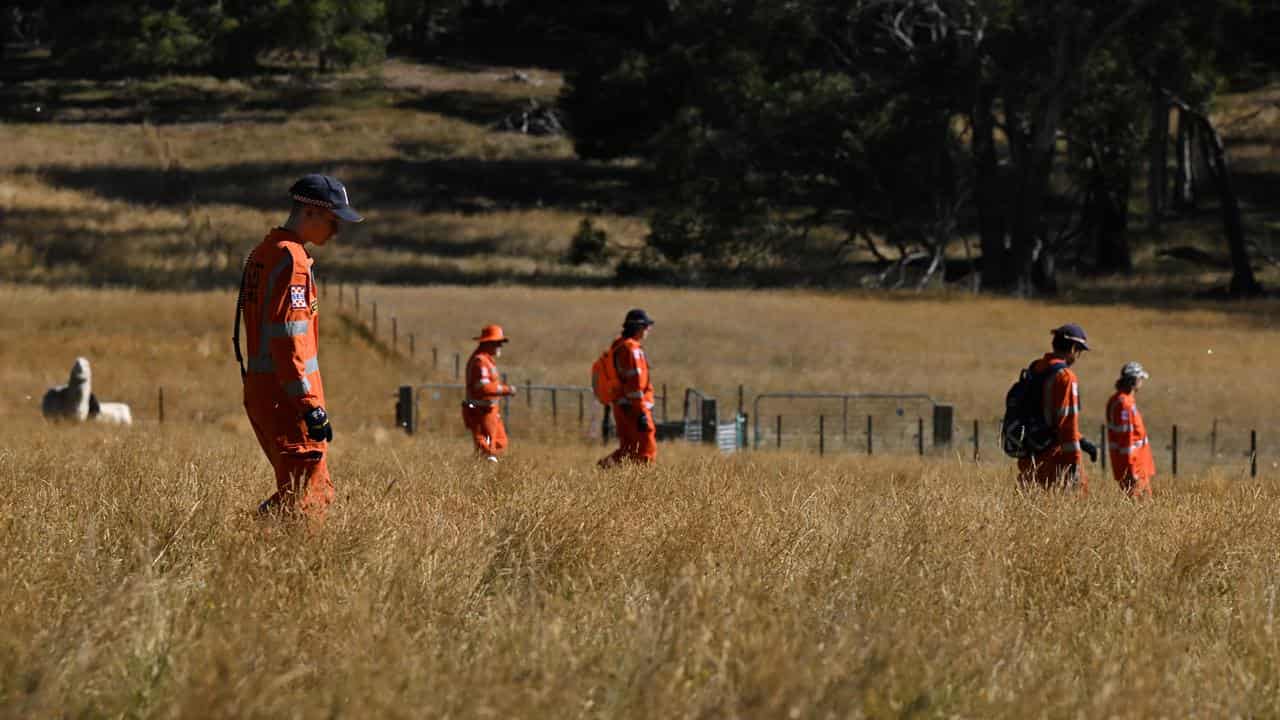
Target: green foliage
[(114, 35), (589, 244)]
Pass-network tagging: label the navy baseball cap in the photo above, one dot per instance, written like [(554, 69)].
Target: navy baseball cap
[(637, 318), (327, 192), (1072, 332)]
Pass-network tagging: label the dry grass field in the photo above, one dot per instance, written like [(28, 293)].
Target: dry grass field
[(134, 583)]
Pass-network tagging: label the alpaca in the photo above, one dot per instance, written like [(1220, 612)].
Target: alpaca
[(76, 401), (70, 401)]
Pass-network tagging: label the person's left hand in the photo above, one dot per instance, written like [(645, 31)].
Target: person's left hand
[(318, 427), (1089, 449)]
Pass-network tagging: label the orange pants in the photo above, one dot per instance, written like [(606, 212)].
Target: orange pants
[(487, 431), (634, 444), (1052, 473), (302, 475), (1135, 486)]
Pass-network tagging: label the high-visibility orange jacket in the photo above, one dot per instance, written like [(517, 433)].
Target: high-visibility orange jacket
[(281, 323), (632, 366), (1127, 442), (1061, 407), (484, 384), (1061, 404)]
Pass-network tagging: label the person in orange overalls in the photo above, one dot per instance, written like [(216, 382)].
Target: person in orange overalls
[(283, 392), (1131, 462), (633, 413), (480, 411), (1058, 466)]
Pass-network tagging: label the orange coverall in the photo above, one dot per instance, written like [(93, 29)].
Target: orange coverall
[(1061, 463), (1132, 464), (481, 412), (283, 375), (632, 367)]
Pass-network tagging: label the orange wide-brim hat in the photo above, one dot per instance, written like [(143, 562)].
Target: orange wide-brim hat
[(492, 333)]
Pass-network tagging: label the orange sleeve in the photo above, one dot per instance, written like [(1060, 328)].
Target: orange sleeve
[(483, 380), (633, 372), (291, 333), (1124, 425), (1063, 409)]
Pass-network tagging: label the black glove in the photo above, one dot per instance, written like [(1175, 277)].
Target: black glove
[(643, 423), (1089, 449), (318, 427)]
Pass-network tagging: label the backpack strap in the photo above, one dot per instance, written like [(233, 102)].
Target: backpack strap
[(1042, 380), (235, 333)]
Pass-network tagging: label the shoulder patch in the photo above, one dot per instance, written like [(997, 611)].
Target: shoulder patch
[(298, 297)]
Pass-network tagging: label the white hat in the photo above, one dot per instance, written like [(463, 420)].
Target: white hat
[(1134, 370)]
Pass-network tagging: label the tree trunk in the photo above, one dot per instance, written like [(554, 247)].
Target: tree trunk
[(1243, 281), (1157, 159), (1108, 222), (1184, 197), (988, 196)]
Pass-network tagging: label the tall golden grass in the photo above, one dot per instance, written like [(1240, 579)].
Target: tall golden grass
[(764, 586), (135, 583)]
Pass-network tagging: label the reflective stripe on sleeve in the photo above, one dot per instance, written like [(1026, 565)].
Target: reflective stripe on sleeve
[(1120, 428), (297, 388), (1069, 447), (1136, 446), (631, 373), (293, 328), (1064, 412), (312, 365), (637, 395)]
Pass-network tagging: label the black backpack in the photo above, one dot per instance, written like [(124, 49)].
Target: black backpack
[(1025, 432)]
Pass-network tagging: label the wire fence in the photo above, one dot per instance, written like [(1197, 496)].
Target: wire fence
[(822, 423)]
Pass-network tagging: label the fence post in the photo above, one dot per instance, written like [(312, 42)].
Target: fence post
[(582, 409), (528, 393), (435, 358), (357, 299), (395, 335), (710, 420), (1175, 451), (1213, 441), (844, 421), (405, 410), (160, 404), (822, 435), (604, 424), (506, 400), (742, 396), (457, 366), (411, 348), (1102, 444), (664, 402), (375, 319), (777, 436), (944, 420), (975, 441), (554, 419), (868, 434), (340, 293), (920, 435), (1253, 453)]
